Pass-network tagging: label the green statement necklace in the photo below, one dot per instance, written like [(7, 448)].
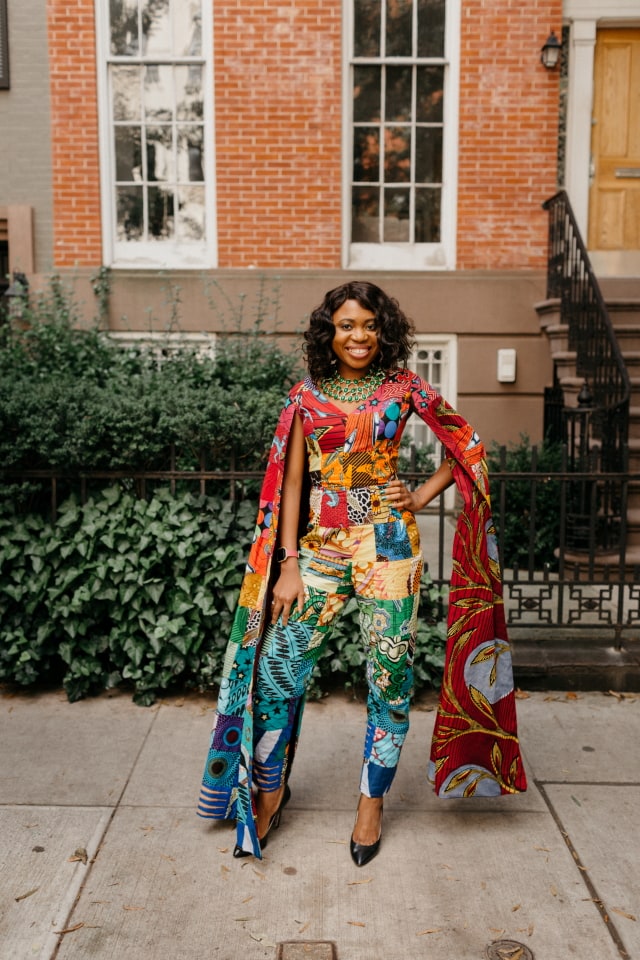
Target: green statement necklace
[(349, 391)]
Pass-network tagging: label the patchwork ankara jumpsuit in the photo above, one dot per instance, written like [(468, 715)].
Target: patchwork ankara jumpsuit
[(355, 545)]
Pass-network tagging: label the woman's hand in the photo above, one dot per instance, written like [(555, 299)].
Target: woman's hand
[(288, 590), (398, 495)]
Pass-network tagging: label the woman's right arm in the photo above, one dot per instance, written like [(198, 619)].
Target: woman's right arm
[(289, 588)]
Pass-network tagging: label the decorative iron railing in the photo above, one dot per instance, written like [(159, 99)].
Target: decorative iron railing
[(596, 431), (546, 584)]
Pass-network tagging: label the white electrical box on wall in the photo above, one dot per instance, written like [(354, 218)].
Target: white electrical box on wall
[(506, 366)]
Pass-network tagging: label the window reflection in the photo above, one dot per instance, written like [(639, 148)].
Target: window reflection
[(158, 120), (398, 115), (366, 23)]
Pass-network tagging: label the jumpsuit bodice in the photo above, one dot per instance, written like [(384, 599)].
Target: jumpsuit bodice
[(352, 455)]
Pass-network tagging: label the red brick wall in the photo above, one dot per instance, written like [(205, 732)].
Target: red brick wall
[(278, 132), (508, 133), (74, 133)]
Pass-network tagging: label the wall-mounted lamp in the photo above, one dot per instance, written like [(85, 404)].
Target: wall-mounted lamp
[(550, 52)]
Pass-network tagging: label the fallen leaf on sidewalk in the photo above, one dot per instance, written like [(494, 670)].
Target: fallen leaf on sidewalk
[(73, 929), (355, 883), (79, 856), (356, 923), (521, 695), (622, 913), (247, 899), (572, 696), (262, 876), (132, 908), (304, 926), (23, 896), (423, 933), (223, 849), (554, 892), (261, 938), (544, 849), (516, 907)]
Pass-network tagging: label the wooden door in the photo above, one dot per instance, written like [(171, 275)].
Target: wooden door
[(614, 203)]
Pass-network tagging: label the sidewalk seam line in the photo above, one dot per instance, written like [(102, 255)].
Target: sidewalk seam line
[(109, 820), (583, 872)]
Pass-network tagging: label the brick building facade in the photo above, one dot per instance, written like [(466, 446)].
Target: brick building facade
[(284, 139)]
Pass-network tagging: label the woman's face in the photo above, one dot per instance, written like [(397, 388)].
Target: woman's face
[(355, 341)]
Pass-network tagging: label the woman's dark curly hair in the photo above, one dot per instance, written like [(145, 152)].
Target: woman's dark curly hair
[(394, 329)]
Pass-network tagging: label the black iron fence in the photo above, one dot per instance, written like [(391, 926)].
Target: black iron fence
[(560, 570)]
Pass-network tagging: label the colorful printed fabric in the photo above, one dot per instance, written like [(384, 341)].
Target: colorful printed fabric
[(474, 748)]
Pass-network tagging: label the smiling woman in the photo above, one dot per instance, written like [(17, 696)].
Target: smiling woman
[(339, 523)]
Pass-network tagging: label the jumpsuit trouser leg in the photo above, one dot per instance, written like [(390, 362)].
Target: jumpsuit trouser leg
[(336, 565)]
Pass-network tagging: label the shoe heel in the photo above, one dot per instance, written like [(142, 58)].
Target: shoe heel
[(238, 852)]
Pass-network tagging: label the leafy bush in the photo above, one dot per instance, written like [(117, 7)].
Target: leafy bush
[(72, 399), (121, 589), (142, 592), (521, 512)]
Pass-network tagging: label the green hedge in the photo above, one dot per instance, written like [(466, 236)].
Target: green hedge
[(122, 590)]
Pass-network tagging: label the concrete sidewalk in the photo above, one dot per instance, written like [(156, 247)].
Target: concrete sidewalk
[(102, 855)]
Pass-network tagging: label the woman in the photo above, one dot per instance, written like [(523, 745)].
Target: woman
[(335, 522)]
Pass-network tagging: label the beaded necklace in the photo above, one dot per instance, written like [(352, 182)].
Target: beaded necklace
[(349, 391)]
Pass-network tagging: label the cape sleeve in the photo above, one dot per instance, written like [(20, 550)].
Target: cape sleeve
[(475, 748), (226, 791)]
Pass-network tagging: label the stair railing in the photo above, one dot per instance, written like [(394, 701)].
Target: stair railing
[(597, 429)]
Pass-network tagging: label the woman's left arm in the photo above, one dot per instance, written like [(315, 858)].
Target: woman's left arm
[(399, 496)]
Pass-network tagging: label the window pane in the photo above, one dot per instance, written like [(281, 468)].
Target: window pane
[(160, 213), (123, 19), (190, 226), (126, 93), (431, 28), (396, 216), (366, 154), (156, 27), (429, 155), (430, 93), (190, 155), (366, 29), (397, 154), (428, 215), (366, 93), (128, 153), (160, 154), (398, 93), (365, 202), (187, 38), (399, 25), (189, 98), (130, 213), (158, 92)]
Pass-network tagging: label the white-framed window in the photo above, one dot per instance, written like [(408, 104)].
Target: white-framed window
[(435, 359), (162, 345), (401, 112), (156, 132)]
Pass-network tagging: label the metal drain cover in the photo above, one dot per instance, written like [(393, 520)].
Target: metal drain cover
[(307, 950), (508, 950)]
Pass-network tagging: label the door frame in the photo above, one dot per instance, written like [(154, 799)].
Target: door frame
[(582, 17)]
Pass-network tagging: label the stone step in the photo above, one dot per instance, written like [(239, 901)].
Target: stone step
[(623, 312), (626, 331)]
